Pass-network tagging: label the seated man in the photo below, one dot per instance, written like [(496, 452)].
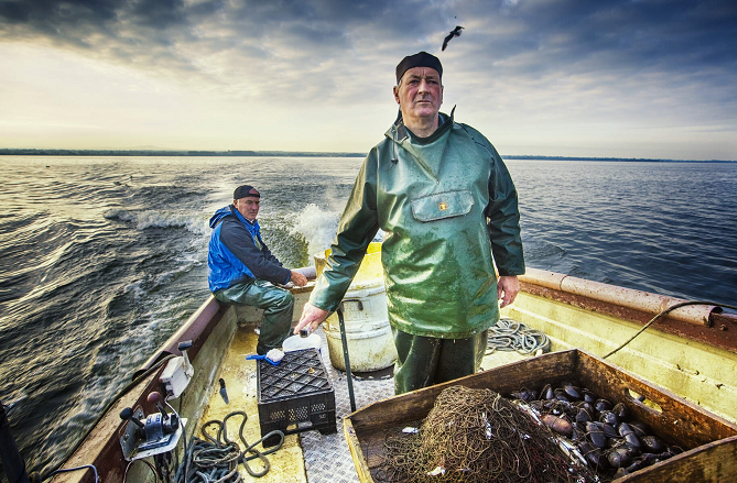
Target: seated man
[(242, 270)]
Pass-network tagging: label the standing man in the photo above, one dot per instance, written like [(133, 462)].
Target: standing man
[(242, 270), (449, 211)]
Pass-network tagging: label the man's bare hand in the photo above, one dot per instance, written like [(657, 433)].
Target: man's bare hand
[(507, 288), (311, 318), (298, 279)]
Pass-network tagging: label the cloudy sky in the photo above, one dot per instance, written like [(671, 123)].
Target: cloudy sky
[(634, 78)]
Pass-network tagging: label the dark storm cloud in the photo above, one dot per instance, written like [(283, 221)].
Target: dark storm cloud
[(57, 16), (69, 20), (80, 21), (76, 21), (683, 34)]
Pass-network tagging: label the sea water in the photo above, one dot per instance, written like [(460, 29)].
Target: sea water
[(104, 257)]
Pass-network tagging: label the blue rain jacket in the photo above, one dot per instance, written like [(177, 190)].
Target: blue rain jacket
[(233, 256)]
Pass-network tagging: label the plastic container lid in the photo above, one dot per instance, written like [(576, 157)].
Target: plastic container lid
[(298, 343)]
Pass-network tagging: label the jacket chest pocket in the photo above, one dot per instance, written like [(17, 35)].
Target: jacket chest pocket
[(442, 205)]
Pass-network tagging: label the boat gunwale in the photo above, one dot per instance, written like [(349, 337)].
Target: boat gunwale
[(196, 328), (649, 302), (720, 333)]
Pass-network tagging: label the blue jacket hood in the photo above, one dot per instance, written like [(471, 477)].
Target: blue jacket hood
[(219, 215)]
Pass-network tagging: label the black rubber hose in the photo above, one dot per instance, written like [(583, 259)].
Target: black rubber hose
[(344, 339), (661, 314)]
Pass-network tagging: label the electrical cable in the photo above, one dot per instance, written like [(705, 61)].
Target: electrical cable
[(130, 463), (661, 314), (184, 433), (83, 467)]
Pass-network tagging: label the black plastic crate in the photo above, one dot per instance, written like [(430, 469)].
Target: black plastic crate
[(295, 395)]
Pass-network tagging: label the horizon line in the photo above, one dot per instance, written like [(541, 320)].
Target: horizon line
[(191, 152)]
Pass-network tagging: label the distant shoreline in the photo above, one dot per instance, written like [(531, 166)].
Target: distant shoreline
[(149, 152), (164, 152), (630, 160)]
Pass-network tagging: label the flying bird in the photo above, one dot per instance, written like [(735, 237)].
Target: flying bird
[(456, 32)]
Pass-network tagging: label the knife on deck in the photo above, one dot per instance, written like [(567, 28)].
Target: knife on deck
[(223, 392)]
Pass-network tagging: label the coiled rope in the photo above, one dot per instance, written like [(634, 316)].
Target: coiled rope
[(509, 335), (216, 459)]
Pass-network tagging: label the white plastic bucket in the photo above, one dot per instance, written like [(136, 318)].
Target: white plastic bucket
[(369, 336), (370, 339)]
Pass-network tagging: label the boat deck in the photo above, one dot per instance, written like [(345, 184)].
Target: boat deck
[(305, 457), (308, 456)]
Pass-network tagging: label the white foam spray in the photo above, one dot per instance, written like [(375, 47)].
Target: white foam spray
[(318, 228), (161, 219)]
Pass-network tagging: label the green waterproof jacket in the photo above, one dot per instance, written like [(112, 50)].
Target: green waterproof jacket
[(446, 204)]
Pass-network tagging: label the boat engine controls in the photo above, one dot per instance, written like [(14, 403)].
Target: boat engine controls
[(155, 434), (177, 373)]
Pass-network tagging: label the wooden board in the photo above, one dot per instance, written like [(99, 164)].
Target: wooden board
[(713, 462), (706, 436)]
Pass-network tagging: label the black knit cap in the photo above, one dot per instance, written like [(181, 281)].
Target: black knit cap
[(420, 59), (244, 191)]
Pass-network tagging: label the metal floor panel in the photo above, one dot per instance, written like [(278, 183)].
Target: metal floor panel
[(327, 458)]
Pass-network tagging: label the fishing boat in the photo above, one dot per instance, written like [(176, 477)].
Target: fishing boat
[(683, 365)]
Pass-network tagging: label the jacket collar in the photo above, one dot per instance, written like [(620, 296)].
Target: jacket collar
[(399, 132)]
